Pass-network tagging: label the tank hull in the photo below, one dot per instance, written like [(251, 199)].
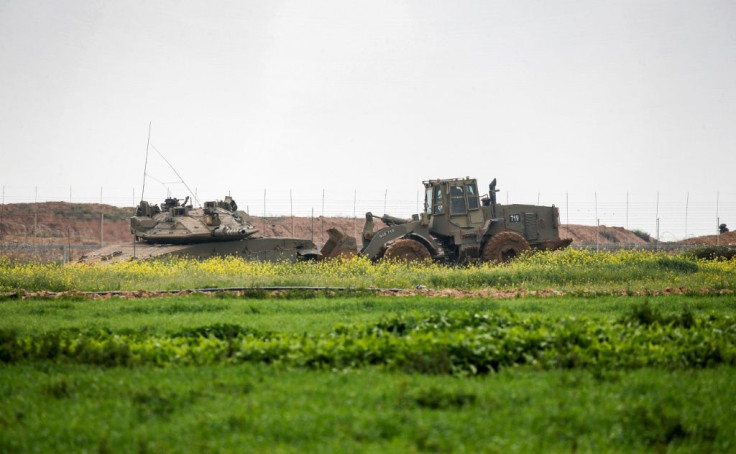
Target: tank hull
[(260, 249)]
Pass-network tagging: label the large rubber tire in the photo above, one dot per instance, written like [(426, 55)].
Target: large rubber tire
[(406, 250), (504, 247)]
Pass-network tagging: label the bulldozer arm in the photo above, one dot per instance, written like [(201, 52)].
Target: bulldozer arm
[(339, 244)]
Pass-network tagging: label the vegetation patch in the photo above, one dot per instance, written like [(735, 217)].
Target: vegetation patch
[(642, 234), (258, 408), (568, 270), (222, 331), (557, 352), (713, 253), (611, 237), (436, 398), (457, 343)]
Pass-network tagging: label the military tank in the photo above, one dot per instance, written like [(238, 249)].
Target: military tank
[(218, 229), (174, 222), (176, 228)]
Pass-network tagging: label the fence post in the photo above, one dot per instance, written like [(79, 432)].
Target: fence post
[(322, 235), (595, 195), (35, 218), (102, 218), (718, 219), (687, 203), (657, 218)]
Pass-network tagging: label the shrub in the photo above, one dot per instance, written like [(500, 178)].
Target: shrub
[(222, 331), (680, 265), (609, 236), (436, 398), (642, 234), (713, 253), (642, 314)]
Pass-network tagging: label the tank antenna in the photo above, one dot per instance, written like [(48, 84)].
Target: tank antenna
[(148, 142), (181, 180)]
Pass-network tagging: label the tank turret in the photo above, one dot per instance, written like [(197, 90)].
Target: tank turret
[(174, 222)]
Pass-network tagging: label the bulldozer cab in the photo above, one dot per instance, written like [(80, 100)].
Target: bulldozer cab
[(454, 201), (457, 225)]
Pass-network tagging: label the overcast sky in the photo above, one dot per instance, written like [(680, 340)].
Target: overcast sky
[(550, 97)]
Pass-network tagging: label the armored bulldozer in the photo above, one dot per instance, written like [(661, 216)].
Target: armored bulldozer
[(459, 226)]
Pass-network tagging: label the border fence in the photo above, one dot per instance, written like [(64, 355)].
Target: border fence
[(665, 216)]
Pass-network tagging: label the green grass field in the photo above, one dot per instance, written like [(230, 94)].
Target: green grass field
[(605, 365), (254, 407)]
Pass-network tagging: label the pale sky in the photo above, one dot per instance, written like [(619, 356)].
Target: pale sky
[(561, 101)]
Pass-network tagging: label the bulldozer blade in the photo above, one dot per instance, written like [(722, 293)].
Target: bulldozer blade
[(339, 244)]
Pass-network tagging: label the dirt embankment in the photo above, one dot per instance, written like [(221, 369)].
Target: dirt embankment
[(313, 229), (62, 223), (65, 223), (305, 228), (725, 239), (586, 234)]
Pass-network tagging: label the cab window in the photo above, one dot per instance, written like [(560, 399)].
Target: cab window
[(457, 200), (438, 208), (428, 201), (472, 193)]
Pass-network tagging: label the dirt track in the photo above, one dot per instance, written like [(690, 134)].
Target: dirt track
[(440, 293)]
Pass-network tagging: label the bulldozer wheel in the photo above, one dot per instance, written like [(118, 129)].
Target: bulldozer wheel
[(504, 246), (406, 250)]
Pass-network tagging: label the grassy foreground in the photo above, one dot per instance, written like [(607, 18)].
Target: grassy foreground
[(64, 408), (638, 356), (58, 398), (316, 312)]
